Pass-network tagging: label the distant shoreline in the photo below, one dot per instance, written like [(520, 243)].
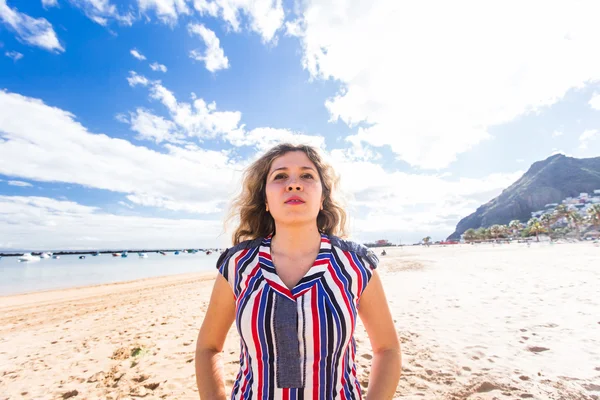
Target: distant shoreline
[(84, 252)]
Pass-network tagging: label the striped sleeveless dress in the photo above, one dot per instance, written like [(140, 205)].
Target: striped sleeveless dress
[(297, 344)]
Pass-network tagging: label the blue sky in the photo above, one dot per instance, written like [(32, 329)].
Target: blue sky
[(128, 123)]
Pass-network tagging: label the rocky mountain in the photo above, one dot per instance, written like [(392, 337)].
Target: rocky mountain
[(547, 181)]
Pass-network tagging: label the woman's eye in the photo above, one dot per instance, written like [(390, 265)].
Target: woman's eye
[(307, 176), (279, 176)]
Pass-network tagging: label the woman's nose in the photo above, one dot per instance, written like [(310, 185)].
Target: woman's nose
[(294, 186)]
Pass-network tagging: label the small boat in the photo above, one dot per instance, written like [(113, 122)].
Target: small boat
[(81, 257), (208, 252), (176, 253), (124, 255), (27, 257), (45, 255), (116, 254), (96, 254), (163, 253), (55, 257), (143, 255)]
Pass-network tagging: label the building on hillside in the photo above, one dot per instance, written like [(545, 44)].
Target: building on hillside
[(580, 203)]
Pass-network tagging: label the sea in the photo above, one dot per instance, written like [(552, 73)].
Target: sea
[(69, 271)]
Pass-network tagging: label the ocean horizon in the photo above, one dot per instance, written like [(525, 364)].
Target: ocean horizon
[(70, 271)]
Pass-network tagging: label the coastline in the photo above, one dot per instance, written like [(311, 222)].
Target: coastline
[(464, 333)]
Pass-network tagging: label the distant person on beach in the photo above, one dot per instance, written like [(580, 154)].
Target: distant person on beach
[(294, 289)]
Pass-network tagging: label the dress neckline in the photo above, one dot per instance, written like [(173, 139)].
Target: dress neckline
[(312, 276)]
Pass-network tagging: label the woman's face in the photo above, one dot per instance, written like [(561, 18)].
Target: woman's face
[(293, 188)]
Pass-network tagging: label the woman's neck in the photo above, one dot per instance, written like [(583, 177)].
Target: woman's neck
[(296, 240)]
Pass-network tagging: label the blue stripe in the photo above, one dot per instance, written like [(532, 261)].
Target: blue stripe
[(262, 306), (238, 272), (323, 343), (362, 269), (338, 344), (346, 284)]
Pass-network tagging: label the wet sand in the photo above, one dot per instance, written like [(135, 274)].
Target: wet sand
[(476, 322)]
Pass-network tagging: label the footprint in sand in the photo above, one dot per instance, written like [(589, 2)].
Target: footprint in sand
[(537, 349)]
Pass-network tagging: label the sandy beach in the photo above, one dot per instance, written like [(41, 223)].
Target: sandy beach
[(476, 322)]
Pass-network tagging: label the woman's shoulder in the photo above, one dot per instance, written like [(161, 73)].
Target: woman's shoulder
[(245, 245), (360, 250)]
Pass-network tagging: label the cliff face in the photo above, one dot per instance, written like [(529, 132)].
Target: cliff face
[(547, 181)]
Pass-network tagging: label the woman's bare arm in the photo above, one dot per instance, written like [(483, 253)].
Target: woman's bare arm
[(386, 366), (217, 321)]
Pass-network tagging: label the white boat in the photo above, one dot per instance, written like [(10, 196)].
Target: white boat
[(45, 255), (27, 257), (143, 255), (55, 257)]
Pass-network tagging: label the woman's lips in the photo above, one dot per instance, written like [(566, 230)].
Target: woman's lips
[(294, 202)]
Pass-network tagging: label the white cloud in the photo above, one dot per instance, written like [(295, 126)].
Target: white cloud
[(586, 137), (33, 31), (153, 127), (15, 55), (381, 201), (203, 121), (557, 133), (101, 11), (45, 223), (20, 183), (125, 204), (50, 146), (265, 138), (158, 67), (137, 54), (595, 101), (265, 16), (197, 119), (49, 3), (135, 79), (213, 57), (167, 11), (430, 85)]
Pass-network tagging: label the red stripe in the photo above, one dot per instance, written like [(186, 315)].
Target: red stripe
[(256, 343), (245, 371), (248, 278), (344, 296), (286, 394), (343, 392), (284, 290), (356, 270), (321, 262), (265, 255), (356, 384), (316, 337)]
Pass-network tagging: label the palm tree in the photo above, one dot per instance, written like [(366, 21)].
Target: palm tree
[(576, 219), (547, 220), (594, 215), (535, 226), (495, 231), (426, 240), (470, 235), (515, 226), (561, 211), (481, 232)]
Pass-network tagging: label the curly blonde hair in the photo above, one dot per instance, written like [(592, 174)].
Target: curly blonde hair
[(255, 222)]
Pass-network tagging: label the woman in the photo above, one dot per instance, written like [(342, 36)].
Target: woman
[(294, 289)]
